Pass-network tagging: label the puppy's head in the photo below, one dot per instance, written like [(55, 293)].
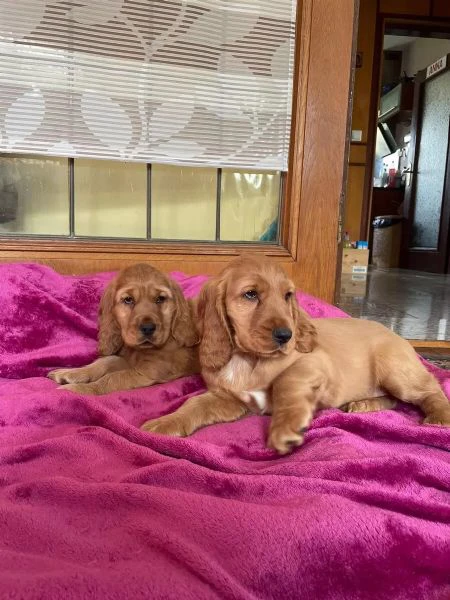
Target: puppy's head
[(142, 308), (251, 307)]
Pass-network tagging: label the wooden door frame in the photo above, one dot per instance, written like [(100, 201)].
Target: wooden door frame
[(312, 211), (418, 258)]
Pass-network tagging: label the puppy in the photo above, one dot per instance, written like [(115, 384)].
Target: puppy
[(146, 336), (260, 351)]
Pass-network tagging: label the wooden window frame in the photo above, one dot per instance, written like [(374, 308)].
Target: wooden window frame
[(314, 194)]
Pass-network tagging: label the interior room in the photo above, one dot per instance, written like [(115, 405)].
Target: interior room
[(398, 195)]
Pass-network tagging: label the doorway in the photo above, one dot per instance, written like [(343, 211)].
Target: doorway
[(410, 292), (411, 174)]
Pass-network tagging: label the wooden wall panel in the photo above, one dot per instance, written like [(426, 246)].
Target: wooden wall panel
[(441, 8), (82, 263)]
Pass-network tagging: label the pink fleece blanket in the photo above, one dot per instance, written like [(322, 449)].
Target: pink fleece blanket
[(91, 507)]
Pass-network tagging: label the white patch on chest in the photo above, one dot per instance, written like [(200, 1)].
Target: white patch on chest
[(237, 373), (234, 369), (259, 399)]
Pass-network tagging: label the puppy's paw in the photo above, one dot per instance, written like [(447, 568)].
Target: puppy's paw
[(441, 417), (88, 389), (64, 376), (370, 405), (166, 425), (284, 439)]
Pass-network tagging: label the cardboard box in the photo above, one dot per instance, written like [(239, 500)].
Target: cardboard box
[(353, 285), (355, 261)]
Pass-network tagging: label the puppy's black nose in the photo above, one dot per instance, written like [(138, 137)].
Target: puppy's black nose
[(147, 329), (281, 335)]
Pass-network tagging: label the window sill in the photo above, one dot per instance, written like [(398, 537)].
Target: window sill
[(38, 245)]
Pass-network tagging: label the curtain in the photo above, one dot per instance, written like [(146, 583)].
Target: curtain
[(194, 82)]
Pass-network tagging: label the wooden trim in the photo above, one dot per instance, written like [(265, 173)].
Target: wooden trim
[(357, 154), (300, 90), (326, 145), (424, 19), (429, 344), (346, 167), (372, 128), (356, 164), (80, 246), (422, 23), (75, 263)]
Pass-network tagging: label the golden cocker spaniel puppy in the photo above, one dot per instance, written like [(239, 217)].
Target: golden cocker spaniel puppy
[(260, 351), (146, 336)]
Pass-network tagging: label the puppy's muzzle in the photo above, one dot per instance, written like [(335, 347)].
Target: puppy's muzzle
[(281, 335)]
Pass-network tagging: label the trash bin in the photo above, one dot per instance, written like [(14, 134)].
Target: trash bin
[(387, 235)]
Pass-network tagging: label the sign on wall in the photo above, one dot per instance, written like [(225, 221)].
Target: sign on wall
[(437, 66)]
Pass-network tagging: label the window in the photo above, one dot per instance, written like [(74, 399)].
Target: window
[(34, 195), (168, 120), (112, 199)]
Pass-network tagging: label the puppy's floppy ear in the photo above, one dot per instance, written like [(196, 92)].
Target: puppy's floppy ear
[(305, 332), (109, 336), (182, 328), (216, 344)]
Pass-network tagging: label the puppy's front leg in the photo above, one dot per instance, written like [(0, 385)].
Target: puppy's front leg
[(198, 411), (126, 379), (294, 399), (92, 372)]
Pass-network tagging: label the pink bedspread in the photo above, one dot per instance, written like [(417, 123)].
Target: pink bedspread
[(91, 507)]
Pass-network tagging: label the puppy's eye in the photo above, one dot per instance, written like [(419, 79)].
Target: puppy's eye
[(128, 300), (288, 295), (251, 295), (160, 299)]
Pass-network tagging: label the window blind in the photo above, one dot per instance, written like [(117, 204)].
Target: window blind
[(194, 82)]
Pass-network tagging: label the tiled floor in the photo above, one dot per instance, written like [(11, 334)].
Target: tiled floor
[(414, 304)]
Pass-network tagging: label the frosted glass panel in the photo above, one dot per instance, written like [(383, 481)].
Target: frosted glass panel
[(203, 82), (431, 163), (110, 198), (183, 203), (249, 206), (34, 195)]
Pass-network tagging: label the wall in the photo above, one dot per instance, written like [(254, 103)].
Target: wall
[(422, 52)]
